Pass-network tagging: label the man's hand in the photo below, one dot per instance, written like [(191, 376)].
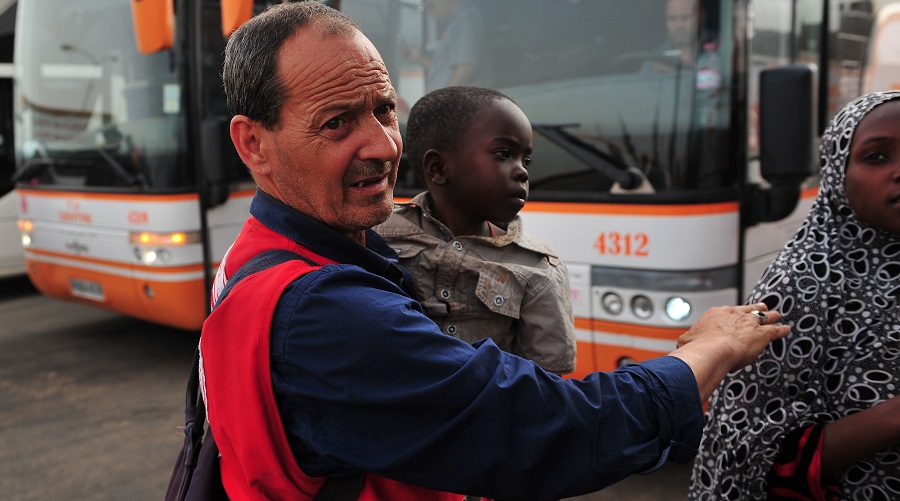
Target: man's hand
[(726, 339)]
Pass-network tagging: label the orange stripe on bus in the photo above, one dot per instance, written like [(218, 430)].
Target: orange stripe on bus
[(624, 209), (109, 196), (180, 304), (128, 197), (633, 210), (667, 333), (115, 264)]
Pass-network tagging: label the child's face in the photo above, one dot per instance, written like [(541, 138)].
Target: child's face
[(488, 172), (872, 179)]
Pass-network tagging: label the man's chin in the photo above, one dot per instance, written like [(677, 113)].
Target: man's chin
[(374, 214)]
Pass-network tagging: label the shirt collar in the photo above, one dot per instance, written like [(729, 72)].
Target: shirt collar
[(376, 257)]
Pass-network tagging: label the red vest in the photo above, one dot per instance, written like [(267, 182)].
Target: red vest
[(256, 459)]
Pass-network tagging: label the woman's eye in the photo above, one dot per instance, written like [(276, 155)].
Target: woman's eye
[(875, 157)]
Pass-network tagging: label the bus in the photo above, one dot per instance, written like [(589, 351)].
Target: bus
[(667, 172), (12, 257), (665, 191)]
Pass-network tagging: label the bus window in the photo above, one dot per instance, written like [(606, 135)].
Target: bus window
[(576, 71)]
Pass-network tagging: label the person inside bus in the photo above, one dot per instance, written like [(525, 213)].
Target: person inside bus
[(686, 37), (476, 271), (815, 417), (325, 366), (455, 57)]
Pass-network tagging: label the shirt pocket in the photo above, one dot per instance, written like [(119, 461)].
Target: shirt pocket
[(406, 250), (500, 291)]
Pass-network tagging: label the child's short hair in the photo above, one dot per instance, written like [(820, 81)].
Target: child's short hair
[(439, 119)]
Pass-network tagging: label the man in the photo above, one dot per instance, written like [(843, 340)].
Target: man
[(325, 366), (455, 57), (685, 19)]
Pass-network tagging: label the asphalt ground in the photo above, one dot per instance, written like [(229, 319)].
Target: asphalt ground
[(91, 401)]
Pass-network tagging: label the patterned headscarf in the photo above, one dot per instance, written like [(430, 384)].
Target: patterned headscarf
[(837, 283)]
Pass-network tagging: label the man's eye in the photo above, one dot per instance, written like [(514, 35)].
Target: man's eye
[(384, 109), (334, 123)]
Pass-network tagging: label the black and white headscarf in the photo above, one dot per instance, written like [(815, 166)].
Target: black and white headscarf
[(837, 283)]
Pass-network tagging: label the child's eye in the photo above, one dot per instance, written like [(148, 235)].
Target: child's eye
[(505, 154), (526, 161)]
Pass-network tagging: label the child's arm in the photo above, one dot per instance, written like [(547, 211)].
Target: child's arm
[(546, 329)]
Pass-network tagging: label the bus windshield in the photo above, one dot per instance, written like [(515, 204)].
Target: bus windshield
[(612, 88), (93, 113)]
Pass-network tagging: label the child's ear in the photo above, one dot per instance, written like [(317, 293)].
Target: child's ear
[(433, 163)]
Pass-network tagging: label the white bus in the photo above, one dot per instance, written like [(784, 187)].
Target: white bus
[(663, 198), (12, 256)]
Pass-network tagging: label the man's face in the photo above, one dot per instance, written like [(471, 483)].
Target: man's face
[(681, 21), (337, 146), (441, 10), (872, 180)]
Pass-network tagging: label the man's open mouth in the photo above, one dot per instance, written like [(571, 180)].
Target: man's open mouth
[(367, 182)]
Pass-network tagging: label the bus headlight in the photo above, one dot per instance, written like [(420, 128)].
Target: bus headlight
[(25, 227), (642, 307), (612, 303), (151, 256), (677, 308), (152, 248), (173, 239)]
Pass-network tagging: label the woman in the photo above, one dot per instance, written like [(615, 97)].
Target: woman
[(814, 416)]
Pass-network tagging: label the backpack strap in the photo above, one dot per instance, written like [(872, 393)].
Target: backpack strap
[(344, 488), (259, 262)]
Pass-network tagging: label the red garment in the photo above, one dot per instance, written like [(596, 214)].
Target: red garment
[(256, 459), (797, 472)]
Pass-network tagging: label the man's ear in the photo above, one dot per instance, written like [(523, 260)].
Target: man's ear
[(247, 136), (434, 166)]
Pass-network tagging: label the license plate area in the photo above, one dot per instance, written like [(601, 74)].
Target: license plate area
[(86, 289)]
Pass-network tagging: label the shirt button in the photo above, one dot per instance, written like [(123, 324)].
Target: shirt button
[(451, 329), (445, 294), (498, 300), (457, 246)]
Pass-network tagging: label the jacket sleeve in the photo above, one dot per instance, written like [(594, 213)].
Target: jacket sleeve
[(365, 381)]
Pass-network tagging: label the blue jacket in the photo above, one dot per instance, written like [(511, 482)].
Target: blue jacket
[(365, 381)]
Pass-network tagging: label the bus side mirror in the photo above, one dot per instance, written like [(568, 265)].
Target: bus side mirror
[(787, 137), (234, 14), (787, 120), (220, 160), (154, 25)]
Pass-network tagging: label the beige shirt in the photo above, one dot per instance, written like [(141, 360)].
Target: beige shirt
[(511, 288)]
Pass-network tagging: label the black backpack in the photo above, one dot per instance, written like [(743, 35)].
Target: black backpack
[(196, 475)]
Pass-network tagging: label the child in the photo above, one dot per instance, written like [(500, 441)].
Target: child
[(477, 273)]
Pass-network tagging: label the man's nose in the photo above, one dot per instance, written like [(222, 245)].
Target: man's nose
[(381, 142)]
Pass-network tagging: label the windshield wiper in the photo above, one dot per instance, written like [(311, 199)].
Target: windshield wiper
[(130, 179), (37, 165), (628, 177)]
